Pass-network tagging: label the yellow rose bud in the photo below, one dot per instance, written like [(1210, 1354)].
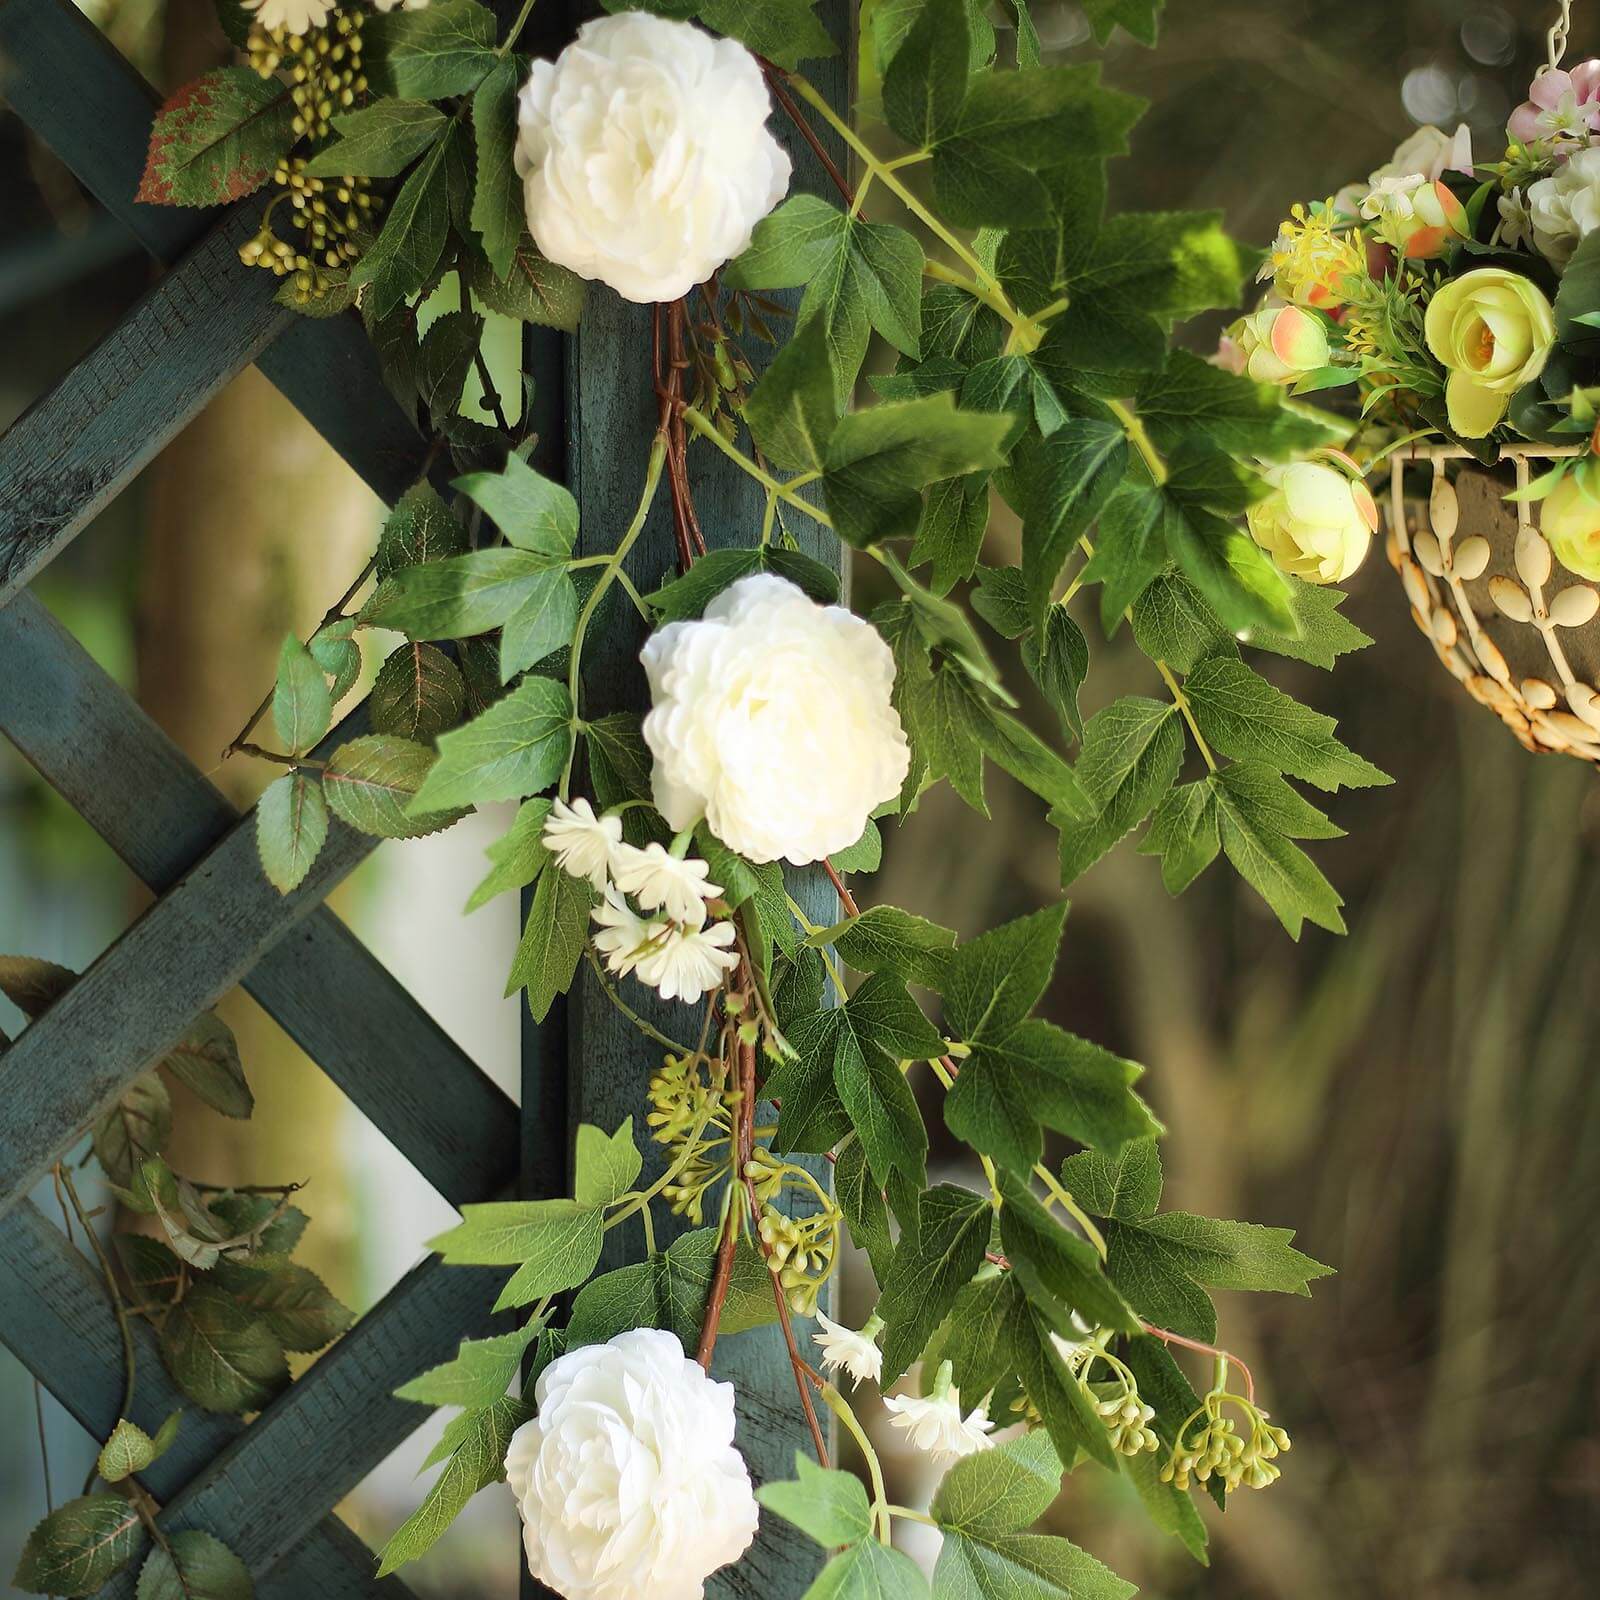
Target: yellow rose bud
[(1317, 524), (1569, 518), (1492, 331), (1279, 344)]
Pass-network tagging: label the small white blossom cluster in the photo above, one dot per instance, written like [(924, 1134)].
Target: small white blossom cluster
[(666, 943)]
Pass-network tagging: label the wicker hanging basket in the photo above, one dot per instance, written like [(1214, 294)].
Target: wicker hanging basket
[(1512, 625)]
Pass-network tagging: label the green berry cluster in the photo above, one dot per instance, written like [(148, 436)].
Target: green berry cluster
[(1240, 1450), (803, 1251), (329, 214), (323, 66), (1115, 1396)]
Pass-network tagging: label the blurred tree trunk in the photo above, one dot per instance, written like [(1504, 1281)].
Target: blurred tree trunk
[(252, 527)]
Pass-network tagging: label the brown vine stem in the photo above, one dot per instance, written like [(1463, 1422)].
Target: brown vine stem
[(775, 77), (722, 1274), (1166, 1336)]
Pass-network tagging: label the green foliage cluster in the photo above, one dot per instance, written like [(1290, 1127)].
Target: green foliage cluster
[(1025, 332), (213, 1276)]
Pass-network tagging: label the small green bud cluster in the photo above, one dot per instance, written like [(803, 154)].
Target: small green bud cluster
[(680, 1100), (802, 1251), (323, 66), (1115, 1398), (1211, 1442)]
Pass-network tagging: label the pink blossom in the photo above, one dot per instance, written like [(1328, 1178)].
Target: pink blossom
[(1560, 105)]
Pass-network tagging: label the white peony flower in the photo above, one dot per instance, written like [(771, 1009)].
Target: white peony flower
[(644, 153), (627, 1480), (582, 843), (625, 938), (856, 1353), (661, 882), (1564, 207), (296, 16), (1317, 523), (685, 962), (771, 717), (936, 1425)]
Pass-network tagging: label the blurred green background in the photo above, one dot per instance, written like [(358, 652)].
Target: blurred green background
[(1420, 1100)]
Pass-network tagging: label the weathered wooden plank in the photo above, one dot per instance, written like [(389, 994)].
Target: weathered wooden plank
[(55, 1317), (325, 367), (72, 452), (330, 994), (322, 1436), (611, 417)]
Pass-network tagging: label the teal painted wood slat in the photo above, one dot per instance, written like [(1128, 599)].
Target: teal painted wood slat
[(113, 765), (612, 415), (325, 368), (54, 1315)]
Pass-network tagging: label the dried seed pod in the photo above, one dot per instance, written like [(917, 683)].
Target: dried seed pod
[(1444, 508), (1471, 558), (1444, 627), (1539, 694), (1532, 557), (1574, 606), (1427, 551), (1494, 663), (1511, 600), (1417, 591)]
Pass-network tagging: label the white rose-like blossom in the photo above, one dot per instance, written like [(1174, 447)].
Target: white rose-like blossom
[(582, 843), (661, 882), (624, 937), (627, 1479), (297, 16), (645, 156), (1565, 207), (685, 962), (771, 717)]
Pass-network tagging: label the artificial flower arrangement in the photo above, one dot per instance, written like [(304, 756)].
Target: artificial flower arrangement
[(1461, 299), (1027, 1317)]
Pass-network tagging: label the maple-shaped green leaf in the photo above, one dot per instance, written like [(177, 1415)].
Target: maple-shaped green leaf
[(1054, 1264), (515, 748), (1131, 754), (477, 1375), (1165, 1261), (930, 1268), (1137, 16), (828, 1506)]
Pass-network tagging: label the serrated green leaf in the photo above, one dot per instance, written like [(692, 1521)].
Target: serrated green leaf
[(497, 214), (217, 139), (515, 748), (793, 409), (929, 1270), (1054, 1265), (994, 981), (1230, 569), (869, 1570), (129, 1450), (421, 528), (926, 82), (411, 241), (1173, 623), (1183, 832), (79, 1546), (292, 1300), (511, 1233), (535, 513), (222, 1355), (334, 649), (462, 595), (887, 939), (999, 1491), (1323, 634), (134, 1129), (477, 1375), (206, 1061), (444, 49), (378, 141), (194, 1566), (860, 1197), (1137, 16), (828, 1506), (301, 705), (418, 694), (606, 1165), (371, 782), (1131, 754), (552, 940), (532, 288)]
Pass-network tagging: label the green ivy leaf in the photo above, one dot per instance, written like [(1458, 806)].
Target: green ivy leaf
[(1063, 482), (606, 1165), (198, 1567), (1321, 635), (445, 49), (444, 358), (887, 939), (955, 517), (994, 981), (497, 216), (477, 1460), (554, 1244), (926, 82), (529, 288), (222, 1355), (688, 596), (880, 460), (930, 1268), (828, 1506), (1002, 1490), (518, 856), (79, 1546), (1066, 1410), (793, 409), (860, 1197), (515, 748), (552, 940), (869, 1570), (1131, 754), (786, 32), (302, 708), (1230, 569), (463, 595), (371, 782), (417, 695), (476, 1376), (1173, 623), (1241, 714), (1137, 16), (379, 141), (217, 139), (1183, 832)]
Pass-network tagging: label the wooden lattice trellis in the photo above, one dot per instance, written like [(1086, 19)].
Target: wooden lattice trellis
[(268, 1488)]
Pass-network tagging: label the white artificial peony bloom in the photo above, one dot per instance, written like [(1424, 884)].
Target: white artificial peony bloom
[(296, 16), (625, 938), (683, 963), (1429, 152), (659, 881), (1317, 523), (409, 5), (1565, 207), (644, 153), (936, 1425), (771, 717), (844, 1348), (627, 1479), (582, 843)]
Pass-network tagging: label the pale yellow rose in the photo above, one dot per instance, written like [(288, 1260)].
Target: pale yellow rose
[(1492, 331), (1569, 518), (1317, 524)]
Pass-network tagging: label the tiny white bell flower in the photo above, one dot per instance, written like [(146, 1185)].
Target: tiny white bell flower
[(845, 1349), (582, 843), (935, 1423)]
